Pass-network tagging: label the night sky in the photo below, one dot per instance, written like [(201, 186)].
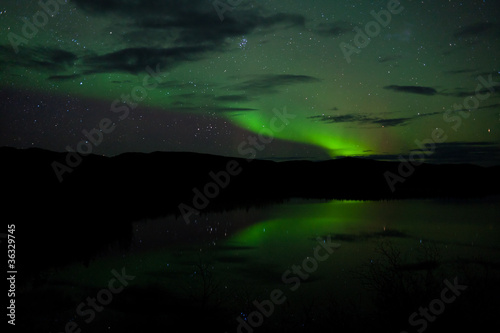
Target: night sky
[(203, 76)]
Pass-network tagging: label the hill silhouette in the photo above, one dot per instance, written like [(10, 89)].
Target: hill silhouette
[(138, 185)]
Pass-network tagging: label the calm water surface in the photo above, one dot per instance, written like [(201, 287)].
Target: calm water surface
[(220, 263)]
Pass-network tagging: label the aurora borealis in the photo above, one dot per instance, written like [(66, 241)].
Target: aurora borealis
[(64, 64)]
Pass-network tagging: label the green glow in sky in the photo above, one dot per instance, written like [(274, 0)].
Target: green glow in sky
[(225, 78)]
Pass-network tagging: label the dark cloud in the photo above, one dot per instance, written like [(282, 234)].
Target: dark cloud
[(364, 119), (428, 91), (487, 74), (152, 38), (135, 60), (391, 122), (64, 77), (389, 58), (168, 33), (460, 93), (186, 95), (269, 84), (460, 71), (139, 7), (47, 59), (491, 106), (339, 119), (474, 30), (188, 22), (194, 27), (130, 60), (232, 98), (179, 85), (57, 56), (334, 29), (287, 20)]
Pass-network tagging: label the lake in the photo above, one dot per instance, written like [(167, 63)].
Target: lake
[(296, 266)]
